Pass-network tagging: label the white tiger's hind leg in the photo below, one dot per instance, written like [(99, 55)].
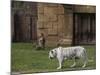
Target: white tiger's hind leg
[(85, 59), (84, 65)]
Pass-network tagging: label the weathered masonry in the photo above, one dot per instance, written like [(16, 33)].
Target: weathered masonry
[(73, 24)]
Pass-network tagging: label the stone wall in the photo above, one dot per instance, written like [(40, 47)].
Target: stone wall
[(53, 22), (56, 21)]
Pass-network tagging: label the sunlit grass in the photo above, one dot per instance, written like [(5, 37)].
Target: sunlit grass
[(26, 59)]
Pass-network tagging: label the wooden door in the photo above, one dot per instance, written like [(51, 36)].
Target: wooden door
[(84, 29), (24, 28)]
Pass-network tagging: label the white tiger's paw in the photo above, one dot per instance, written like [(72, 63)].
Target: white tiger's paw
[(59, 68)]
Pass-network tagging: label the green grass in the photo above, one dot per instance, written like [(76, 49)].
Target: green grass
[(26, 59)]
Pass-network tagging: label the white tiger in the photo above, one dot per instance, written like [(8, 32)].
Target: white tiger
[(69, 53)]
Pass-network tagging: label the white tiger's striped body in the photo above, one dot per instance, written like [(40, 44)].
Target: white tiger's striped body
[(69, 53)]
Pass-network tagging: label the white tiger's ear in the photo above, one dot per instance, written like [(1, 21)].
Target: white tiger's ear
[(52, 52), (60, 48)]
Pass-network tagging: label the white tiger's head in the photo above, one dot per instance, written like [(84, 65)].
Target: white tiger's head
[(53, 53)]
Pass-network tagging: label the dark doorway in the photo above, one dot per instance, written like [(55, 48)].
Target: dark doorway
[(24, 28), (84, 28)]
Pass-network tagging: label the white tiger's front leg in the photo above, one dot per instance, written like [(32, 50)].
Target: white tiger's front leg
[(60, 65), (74, 64), (60, 60)]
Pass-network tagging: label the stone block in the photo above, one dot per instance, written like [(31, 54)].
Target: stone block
[(60, 10), (60, 20), (48, 10), (52, 32), (40, 5), (52, 39), (55, 25), (53, 18), (66, 41), (41, 17), (48, 25), (50, 17), (60, 17), (40, 25), (55, 10), (40, 10), (51, 5)]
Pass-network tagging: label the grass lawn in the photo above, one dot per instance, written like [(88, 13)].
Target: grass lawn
[(26, 59)]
